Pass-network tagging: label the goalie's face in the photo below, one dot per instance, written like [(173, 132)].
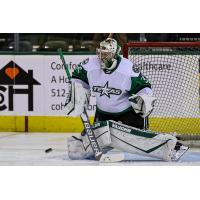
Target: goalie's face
[(105, 56), (106, 52)]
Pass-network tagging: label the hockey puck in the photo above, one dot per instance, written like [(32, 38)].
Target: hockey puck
[(48, 150)]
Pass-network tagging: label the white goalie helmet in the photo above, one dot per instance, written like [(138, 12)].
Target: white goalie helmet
[(107, 53)]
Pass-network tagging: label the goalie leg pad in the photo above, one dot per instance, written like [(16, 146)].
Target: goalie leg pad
[(136, 141), (80, 147), (76, 149)]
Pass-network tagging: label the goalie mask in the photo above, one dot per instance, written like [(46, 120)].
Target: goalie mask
[(107, 53)]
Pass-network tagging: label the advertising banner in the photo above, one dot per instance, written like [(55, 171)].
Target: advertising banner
[(36, 85)]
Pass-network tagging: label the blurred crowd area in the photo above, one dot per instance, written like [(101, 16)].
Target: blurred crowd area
[(81, 42)]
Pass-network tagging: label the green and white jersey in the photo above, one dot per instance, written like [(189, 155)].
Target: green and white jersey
[(111, 88)]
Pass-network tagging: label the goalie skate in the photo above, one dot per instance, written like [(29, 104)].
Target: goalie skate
[(179, 151)]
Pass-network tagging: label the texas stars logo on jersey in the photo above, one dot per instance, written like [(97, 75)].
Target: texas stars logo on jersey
[(106, 90)]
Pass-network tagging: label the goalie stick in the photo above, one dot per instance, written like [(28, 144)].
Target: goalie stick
[(99, 155)]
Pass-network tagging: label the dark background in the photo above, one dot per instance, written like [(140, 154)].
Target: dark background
[(78, 42)]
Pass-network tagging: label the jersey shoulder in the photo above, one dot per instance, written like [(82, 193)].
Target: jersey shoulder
[(128, 68), (90, 63)]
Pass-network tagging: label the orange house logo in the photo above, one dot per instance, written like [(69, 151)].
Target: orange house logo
[(11, 77)]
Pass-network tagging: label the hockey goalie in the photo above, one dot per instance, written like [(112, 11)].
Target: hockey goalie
[(124, 98)]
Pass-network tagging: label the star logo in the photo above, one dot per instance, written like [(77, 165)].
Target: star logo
[(106, 90)]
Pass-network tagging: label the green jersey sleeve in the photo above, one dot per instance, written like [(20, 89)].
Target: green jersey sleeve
[(138, 83)]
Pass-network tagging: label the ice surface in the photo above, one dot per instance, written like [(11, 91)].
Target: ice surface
[(28, 149)]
